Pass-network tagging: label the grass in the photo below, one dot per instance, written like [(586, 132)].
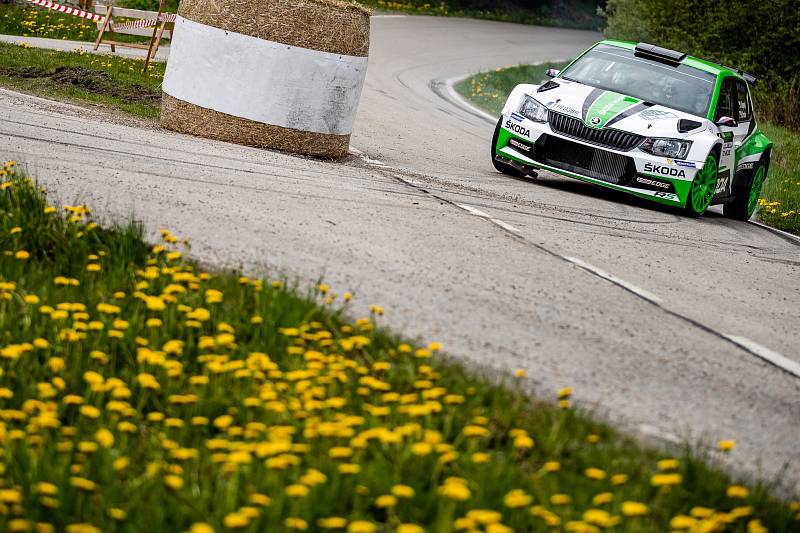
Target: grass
[(33, 21), (489, 90), (780, 197), (138, 392), (565, 14), (111, 81)]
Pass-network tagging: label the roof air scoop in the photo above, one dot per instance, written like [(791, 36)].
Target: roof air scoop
[(657, 53)]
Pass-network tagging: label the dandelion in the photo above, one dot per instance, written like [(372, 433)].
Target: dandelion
[(517, 498), (663, 480), (560, 499), (726, 445), (602, 498), (595, 473), (296, 523), (173, 482), (360, 526), (630, 508), (333, 522), (385, 501), (104, 437), (297, 491), (737, 491)]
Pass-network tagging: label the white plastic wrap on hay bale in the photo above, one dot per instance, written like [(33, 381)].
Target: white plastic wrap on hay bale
[(284, 74)]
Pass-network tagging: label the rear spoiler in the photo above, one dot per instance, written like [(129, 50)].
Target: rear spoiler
[(749, 78)]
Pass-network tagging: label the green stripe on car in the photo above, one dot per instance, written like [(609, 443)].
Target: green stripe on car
[(606, 107)]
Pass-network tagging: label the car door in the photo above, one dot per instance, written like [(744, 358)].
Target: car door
[(728, 106)]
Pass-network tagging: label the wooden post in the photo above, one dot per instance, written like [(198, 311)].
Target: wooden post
[(153, 38), (103, 28)]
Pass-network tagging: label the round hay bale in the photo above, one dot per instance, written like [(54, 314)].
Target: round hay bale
[(282, 74)]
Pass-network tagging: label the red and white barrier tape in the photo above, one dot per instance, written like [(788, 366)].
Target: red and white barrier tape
[(144, 23), (68, 10)]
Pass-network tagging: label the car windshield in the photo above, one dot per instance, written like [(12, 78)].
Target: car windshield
[(617, 69)]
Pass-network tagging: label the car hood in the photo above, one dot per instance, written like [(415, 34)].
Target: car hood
[(599, 108)]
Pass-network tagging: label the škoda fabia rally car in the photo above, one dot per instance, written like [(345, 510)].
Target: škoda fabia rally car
[(645, 120)]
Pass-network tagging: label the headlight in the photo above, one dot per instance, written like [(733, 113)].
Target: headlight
[(676, 148), (533, 110)]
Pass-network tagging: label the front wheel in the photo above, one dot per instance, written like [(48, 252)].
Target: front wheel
[(746, 198), (703, 187), (499, 165)]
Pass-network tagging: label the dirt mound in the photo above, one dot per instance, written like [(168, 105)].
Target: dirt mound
[(89, 80)]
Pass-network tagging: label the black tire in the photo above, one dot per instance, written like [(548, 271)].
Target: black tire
[(499, 165), (702, 189), (746, 196)]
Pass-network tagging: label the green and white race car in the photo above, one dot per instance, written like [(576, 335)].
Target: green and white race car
[(641, 119)]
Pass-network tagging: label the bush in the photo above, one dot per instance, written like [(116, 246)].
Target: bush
[(759, 36), (566, 13)]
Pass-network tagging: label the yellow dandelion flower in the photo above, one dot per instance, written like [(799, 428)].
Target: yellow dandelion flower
[(726, 445), (517, 498), (737, 491), (630, 508), (360, 526)]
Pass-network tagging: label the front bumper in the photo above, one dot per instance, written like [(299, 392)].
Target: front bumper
[(537, 145)]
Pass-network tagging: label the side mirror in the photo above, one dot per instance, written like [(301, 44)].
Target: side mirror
[(552, 72), (726, 121)]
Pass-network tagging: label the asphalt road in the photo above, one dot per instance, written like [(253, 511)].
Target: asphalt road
[(628, 303)]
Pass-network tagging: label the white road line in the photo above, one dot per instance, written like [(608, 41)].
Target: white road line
[(473, 210), (614, 279), (766, 354), (505, 225), (785, 234), (477, 212)]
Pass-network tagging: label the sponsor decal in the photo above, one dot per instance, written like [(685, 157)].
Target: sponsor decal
[(517, 117), (746, 166), (687, 164), (516, 128), (666, 195), (722, 185), (655, 114), (654, 183), (664, 171), (726, 149), (595, 121), (520, 146)]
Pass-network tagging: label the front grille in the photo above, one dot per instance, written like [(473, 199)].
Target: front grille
[(575, 128), (586, 160)]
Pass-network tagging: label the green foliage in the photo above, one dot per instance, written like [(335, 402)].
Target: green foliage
[(489, 90), (34, 21), (566, 13), (170, 6), (779, 205), (758, 36)]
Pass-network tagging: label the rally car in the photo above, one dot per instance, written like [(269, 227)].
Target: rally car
[(641, 119)]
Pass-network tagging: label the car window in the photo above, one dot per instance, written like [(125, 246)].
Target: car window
[(726, 104), (617, 69), (745, 110)]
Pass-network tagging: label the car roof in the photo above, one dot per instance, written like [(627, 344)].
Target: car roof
[(701, 64)]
